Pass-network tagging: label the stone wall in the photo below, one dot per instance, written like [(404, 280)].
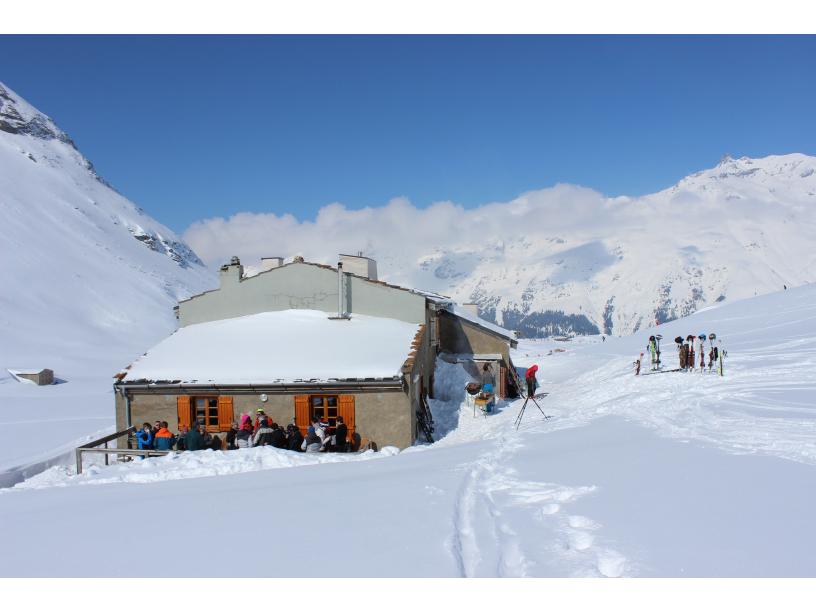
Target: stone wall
[(383, 417)]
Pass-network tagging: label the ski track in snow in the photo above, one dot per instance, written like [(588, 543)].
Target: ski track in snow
[(490, 492)]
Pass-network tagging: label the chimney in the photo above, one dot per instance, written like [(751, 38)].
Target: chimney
[(341, 293), (269, 263), (472, 308), (360, 265), (231, 272)]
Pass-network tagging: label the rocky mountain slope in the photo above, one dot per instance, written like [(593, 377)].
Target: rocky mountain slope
[(79, 262)]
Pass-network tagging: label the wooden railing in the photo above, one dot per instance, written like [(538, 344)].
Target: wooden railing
[(91, 447)]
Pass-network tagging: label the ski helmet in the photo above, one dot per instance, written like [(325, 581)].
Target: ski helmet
[(712, 336), (658, 337), (679, 340), (702, 336)]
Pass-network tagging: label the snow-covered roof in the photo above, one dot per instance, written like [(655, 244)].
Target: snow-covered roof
[(289, 346), (465, 314)]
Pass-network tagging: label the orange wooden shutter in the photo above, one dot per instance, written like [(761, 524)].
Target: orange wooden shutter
[(302, 413), (345, 409), (225, 413), (184, 411)]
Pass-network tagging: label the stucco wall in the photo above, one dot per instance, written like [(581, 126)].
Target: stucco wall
[(303, 286), (384, 417)]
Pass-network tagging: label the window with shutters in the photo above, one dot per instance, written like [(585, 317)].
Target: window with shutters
[(214, 411), (324, 407), (205, 409), (328, 407)]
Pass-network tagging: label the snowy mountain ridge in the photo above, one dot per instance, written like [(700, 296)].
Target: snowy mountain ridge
[(615, 265), (77, 259)]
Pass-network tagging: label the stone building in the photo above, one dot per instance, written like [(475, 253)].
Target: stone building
[(301, 339)]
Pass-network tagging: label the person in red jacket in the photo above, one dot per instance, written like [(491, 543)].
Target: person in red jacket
[(530, 377)]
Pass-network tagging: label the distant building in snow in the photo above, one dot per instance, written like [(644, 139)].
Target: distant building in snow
[(42, 376), (302, 339)]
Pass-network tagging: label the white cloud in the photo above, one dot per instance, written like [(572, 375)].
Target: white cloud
[(398, 231)]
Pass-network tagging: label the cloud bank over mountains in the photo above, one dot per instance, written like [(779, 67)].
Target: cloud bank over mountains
[(399, 228), (568, 259)]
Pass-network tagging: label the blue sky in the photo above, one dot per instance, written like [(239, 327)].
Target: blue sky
[(192, 127)]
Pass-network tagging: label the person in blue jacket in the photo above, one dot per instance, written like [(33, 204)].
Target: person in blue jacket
[(144, 437)]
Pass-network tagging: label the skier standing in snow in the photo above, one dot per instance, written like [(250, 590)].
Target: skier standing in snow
[(530, 379)]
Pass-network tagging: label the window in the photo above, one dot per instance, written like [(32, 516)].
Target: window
[(215, 412), (324, 407), (206, 410), (327, 407)]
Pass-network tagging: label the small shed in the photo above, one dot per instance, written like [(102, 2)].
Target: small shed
[(38, 377)]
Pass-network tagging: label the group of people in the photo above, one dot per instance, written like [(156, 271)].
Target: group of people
[(320, 437)]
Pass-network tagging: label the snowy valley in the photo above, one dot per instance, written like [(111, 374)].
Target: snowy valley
[(676, 474)]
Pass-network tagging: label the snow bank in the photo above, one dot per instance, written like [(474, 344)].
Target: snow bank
[(199, 464), (449, 396)]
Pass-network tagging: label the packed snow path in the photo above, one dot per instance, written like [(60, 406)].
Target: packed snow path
[(680, 474)]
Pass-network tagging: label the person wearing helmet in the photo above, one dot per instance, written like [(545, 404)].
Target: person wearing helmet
[(260, 415)]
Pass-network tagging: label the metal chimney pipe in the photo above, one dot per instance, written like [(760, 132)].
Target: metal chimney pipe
[(340, 308)]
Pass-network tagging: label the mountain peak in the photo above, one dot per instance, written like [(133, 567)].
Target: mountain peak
[(19, 117)]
